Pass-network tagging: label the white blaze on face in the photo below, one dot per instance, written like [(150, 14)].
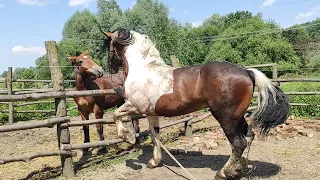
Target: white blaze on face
[(149, 77)]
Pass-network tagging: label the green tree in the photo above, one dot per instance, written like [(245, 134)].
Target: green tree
[(297, 36), (82, 32), (4, 74), (248, 41), (109, 14)]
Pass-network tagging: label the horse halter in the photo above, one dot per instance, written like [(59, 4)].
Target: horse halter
[(123, 37)]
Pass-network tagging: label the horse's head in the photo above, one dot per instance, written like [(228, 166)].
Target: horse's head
[(85, 66), (133, 48)]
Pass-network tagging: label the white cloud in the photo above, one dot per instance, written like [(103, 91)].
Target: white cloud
[(36, 2), (132, 4), (1, 5), (197, 23), (311, 13), (267, 3), (75, 3), (33, 50)]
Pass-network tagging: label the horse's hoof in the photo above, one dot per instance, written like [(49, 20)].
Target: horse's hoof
[(103, 150), (86, 152), (130, 138), (152, 164), (234, 171)]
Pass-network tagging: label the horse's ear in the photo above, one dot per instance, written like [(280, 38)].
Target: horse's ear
[(72, 59), (109, 34), (86, 53)]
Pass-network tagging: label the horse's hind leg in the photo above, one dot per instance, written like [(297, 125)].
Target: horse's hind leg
[(246, 129), (231, 126), (99, 115)]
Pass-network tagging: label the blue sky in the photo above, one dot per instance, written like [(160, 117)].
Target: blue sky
[(26, 24)]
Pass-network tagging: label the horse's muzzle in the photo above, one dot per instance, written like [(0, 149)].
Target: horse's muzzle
[(97, 71)]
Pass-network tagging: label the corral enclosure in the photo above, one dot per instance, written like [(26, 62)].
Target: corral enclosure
[(40, 121), (63, 122)]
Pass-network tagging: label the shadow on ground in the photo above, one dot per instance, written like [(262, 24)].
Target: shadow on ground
[(214, 162)]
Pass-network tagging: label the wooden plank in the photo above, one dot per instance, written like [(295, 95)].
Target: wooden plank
[(296, 80), (58, 94), (38, 102), (28, 157), (61, 105), (49, 123), (89, 122), (200, 118), (40, 81), (29, 111), (255, 94), (261, 65)]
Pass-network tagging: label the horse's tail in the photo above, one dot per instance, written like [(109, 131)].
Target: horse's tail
[(273, 104)]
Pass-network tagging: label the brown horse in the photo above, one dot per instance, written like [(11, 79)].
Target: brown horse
[(156, 89), (89, 76)]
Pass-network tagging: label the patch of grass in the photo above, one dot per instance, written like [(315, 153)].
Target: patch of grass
[(314, 100)]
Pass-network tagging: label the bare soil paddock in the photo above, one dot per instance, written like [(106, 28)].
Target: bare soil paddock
[(281, 156)]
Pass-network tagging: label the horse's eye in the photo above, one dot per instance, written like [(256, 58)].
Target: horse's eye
[(80, 62)]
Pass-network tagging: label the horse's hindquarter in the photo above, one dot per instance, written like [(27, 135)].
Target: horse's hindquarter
[(213, 85), (186, 96)]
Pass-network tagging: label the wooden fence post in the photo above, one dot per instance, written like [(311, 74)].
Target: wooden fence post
[(175, 61), (188, 129), (275, 73), (61, 106), (9, 89)]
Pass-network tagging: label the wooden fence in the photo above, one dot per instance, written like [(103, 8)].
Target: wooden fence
[(50, 92), (62, 121)]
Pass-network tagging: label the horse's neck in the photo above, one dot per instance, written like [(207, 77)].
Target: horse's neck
[(79, 82)]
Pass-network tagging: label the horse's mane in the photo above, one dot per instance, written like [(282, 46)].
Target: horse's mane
[(149, 50)]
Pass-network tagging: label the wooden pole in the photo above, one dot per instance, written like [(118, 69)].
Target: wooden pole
[(188, 129), (275, 73), (27, 158), (9, 88), (61, 106), (175, 61), (31, 125)]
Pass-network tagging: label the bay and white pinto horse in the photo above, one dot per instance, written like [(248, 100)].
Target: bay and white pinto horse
[(156, 89)]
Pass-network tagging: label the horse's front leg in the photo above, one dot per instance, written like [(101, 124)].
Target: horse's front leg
[(98, 112), (85, 116), (126, 134), (155, 134)]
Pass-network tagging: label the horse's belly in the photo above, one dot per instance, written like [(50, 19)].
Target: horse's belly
[(173, 105)]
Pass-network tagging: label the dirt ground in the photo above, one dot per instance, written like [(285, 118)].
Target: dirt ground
[(278, 157)]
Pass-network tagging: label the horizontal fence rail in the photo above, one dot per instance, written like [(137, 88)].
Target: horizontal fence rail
[(39, 81), (55, 94), (27, 158), (32, 125)]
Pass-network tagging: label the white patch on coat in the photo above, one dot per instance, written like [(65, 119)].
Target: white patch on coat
[(149, 77), (85, 57)]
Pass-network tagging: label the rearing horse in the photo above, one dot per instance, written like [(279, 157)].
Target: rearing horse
[(156, 89)]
